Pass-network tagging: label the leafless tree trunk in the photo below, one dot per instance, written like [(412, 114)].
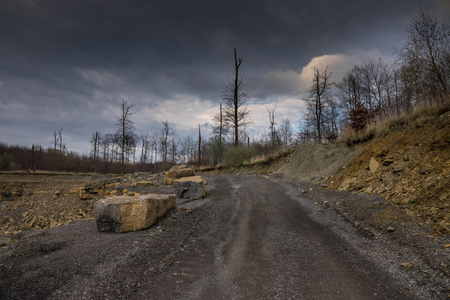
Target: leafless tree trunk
[(199, 146), (95, 141), (318, 94), (286, 131), (235, 98), (165, 140), (271, 112), (125, 132)]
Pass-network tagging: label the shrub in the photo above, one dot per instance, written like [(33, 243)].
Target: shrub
[(235, 156)]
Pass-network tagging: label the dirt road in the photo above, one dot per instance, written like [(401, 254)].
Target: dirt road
[(251, 238)]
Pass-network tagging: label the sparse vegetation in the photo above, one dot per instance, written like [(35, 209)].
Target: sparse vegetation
[(416, 119)]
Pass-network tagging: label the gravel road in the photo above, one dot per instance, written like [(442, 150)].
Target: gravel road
[(251, 238)]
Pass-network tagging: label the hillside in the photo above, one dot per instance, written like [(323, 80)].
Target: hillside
[(406, 161)]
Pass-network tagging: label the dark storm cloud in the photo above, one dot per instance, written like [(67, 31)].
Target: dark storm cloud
[(79, 58)]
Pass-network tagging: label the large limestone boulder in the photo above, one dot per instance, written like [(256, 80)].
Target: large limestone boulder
[(123, 214), (192, 187), (178, 172)]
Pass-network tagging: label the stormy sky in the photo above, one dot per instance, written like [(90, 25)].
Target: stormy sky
[(70, 64)]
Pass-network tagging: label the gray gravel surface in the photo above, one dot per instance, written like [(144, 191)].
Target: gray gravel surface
[(251, 238)]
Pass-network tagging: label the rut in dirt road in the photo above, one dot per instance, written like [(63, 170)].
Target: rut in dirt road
[(271, 249)]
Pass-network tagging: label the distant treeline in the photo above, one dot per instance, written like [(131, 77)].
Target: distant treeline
[(14, 158)]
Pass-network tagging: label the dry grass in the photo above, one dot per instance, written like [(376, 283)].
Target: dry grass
[(418, 118)]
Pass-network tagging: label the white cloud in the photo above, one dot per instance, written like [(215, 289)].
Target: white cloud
[(291, 82), (286, 107), (338, 64)]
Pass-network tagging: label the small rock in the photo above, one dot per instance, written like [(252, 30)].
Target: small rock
[(391, 229), (398, 167), (7, 195), (4, 241), (84, 194), (388, 160), (406, 265), (346, 184), (373, 165)]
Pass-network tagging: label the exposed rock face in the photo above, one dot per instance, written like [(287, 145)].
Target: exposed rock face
[(178, 172), (192, 187), (124, 214)]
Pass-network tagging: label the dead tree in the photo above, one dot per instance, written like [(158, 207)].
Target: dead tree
[(125, 132), (318, 95), (235, 97)]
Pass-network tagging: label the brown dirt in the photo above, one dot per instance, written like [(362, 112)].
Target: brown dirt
[(33, 201), (413, 171)]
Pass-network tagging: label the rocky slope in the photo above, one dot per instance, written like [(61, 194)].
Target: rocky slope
[(410, 167)]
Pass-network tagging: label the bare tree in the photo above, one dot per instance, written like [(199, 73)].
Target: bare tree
[(125, 132), (187, 147), (165, 139), (273, 131), (350, 90), (173, 143), (221, 130), (199, 146), (95, 141), (144, 148), (153, 148), (55, 140), (58, 141), (318, 94), (286, 132), (426, 52), (235, 97)]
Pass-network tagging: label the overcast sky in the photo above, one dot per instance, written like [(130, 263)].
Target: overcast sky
[(69, 64)]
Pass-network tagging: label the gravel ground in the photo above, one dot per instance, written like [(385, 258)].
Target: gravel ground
[(410, 252), (177, 258)]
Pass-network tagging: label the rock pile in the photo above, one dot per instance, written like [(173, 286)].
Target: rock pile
[(177, 172), (186, 184)]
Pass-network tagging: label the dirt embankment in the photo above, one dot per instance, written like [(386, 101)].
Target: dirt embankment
[(408, 165)]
